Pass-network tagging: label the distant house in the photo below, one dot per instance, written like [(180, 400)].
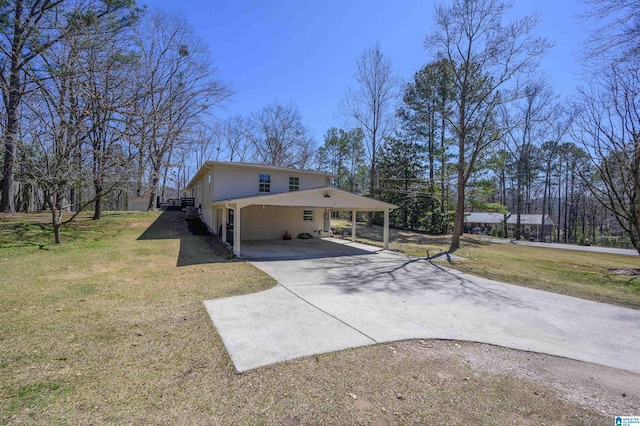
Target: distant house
[(249, 201), (531, 225), (485, 223), (138, 203), (482, 223)]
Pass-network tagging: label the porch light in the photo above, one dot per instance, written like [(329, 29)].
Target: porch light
[(327, 195)]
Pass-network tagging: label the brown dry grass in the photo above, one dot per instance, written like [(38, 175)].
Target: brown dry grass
[(110, 329)]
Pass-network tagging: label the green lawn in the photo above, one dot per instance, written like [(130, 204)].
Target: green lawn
[(574, 273), (109, 328)]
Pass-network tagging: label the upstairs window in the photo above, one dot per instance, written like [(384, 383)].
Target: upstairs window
[(264, 183), (307, 215), (294, 184)]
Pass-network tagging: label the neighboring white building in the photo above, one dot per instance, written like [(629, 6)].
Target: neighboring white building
[(484, 223), (139, 203), (248, 201)]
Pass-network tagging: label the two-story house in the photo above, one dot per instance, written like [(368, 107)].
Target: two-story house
[(248, 201)]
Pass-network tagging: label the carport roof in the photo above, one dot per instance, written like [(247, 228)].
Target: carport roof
[(324, 197)]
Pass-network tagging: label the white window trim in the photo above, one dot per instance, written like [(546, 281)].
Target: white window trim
[(307, 215), (297, 185), (264, 187)]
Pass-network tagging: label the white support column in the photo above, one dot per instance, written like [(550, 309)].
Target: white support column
[(225, 218), (353, 226), (214, 221), (385, 235), (236, 230)]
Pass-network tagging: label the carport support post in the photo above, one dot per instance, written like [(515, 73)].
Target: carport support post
[(353, 226), (385, 235), (236, 231), (225, 219)]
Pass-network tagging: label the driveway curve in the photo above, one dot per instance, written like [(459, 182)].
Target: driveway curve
[(333, 303)]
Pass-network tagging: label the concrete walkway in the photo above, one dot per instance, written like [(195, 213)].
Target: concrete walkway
[(333, 303)]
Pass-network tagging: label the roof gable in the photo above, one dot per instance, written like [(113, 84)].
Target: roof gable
[(478, 217)]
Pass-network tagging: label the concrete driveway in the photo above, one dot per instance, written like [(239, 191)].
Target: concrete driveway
[(315, 248), (332, 303)]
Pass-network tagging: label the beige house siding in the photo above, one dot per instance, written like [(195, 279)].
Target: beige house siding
[(235, 181), (244, 182), (267, 223)]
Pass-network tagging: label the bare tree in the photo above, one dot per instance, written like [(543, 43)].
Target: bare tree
[(616, 29), (527, 122), (237, 146), (53, 134), (560, 125), (608, 123), (176, 87), (30, 28), (279, 137), (207, 142), (104, 77), (371, 105), (484, 55)]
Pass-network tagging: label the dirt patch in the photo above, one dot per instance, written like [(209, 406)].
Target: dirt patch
[(593, 387), (197, 227), (626, 271), (219, 248)]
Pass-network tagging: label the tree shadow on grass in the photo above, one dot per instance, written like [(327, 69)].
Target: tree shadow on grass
[(194, 249)]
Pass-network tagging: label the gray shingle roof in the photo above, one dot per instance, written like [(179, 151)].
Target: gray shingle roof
[(525, 219)]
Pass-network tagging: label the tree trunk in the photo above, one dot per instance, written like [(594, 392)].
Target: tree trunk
[(544, 201), (153, 191), (517, 232), (431, 149), (97, 211), (7, 203), (459, 219), (566, 206), (372, 184), (56, 231), (559, 203), (56, 215)]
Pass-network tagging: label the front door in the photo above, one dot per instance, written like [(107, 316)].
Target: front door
[(230, 227)]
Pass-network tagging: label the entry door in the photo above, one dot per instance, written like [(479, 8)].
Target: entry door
[(230, 227), (219, 222), (327, 220)]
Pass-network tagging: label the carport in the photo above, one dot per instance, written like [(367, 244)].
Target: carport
[(317, 248), (272, 210)]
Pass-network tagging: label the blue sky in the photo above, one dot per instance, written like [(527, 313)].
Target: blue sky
[(304, 52)]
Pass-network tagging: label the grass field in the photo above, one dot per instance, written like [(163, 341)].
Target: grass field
[(109, 328), (574, 273)]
